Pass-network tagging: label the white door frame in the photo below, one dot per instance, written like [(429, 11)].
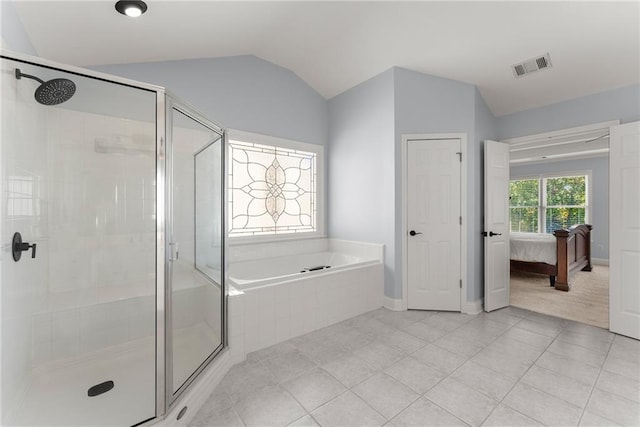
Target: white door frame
[(604, 126), (462, 137)]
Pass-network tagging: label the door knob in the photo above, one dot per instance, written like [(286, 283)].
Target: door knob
[(413, 232), (491, 234)]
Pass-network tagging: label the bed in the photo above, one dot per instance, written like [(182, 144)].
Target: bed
[(558, 255)]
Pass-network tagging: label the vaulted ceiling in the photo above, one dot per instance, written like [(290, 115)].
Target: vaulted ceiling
[(333, 46)]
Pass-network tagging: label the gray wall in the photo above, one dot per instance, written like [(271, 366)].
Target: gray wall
[(14, 36), (428, 104), (361, 167), (240, 92), (366, 127), (600, 194), (619, 104)]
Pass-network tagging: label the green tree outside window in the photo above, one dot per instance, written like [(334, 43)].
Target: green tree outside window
[(547, 203)]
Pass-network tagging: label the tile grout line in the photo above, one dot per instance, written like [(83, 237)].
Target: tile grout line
[(347, 388), (518, 380), (595, 383), (449, 375), (381, 371), (587, 348), (260, 360), (523, 375), (395, 327)]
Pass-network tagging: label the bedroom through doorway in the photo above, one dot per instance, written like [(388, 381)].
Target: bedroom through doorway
[(560, 181)]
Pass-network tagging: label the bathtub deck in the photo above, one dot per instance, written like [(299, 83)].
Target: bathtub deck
[(509, 367)]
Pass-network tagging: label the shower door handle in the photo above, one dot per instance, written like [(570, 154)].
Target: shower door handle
[(18, 246), (175, 253)]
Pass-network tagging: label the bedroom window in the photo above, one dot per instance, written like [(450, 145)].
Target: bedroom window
[(548, 203), (524, 201), (273, 186)]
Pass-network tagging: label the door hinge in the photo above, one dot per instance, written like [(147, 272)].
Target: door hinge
[(459, 153), (460, 220), (460, 283)]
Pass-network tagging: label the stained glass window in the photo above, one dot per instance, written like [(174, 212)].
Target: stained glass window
[(272, 190)]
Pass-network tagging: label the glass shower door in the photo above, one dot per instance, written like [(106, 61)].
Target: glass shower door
[(77, 309), (196, 244)]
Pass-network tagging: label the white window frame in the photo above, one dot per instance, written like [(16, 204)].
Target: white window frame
[(318, 150), (542, 193)]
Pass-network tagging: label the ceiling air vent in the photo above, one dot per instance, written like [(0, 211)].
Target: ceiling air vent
[(532, 65)]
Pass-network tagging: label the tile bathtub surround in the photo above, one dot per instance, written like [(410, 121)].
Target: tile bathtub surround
[(395, 370), (280, 312)]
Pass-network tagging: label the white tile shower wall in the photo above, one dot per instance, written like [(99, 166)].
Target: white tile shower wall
[(278, 312), (23, 172), (102, 238), (83, 330), (101, 208), (99, 278)]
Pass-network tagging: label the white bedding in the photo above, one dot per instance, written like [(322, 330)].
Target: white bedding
[(533, 247)]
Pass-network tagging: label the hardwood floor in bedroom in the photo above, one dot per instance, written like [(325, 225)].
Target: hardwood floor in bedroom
[(586, 302)]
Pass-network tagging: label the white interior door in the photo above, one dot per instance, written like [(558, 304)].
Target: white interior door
[(433, 218), (496, 225), (624, 237)]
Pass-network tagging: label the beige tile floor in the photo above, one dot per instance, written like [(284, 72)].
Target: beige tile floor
[(511, 367)]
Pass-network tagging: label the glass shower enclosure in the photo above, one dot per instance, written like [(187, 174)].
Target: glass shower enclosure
[(112, 269)]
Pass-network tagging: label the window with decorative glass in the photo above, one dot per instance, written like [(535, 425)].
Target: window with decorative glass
[(547, 203), (273, 186)]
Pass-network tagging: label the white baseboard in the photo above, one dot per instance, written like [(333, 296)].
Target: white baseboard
[(599, 261), (470, 307), (473, 307), (393, 304)]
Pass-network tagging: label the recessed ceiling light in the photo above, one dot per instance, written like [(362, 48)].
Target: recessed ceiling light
[(132, 8)]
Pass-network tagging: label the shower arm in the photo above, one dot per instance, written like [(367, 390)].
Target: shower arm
[(20, 74)]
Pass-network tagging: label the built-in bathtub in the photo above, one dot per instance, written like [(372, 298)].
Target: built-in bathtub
[(252, 274), (278, 297)]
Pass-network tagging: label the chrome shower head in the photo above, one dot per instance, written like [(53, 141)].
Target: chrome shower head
[(52, 92)]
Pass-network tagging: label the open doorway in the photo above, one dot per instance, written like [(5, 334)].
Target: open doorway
[(560, 180)]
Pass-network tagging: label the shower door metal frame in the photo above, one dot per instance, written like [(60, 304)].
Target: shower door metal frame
[(161, 245), (174, 103)]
